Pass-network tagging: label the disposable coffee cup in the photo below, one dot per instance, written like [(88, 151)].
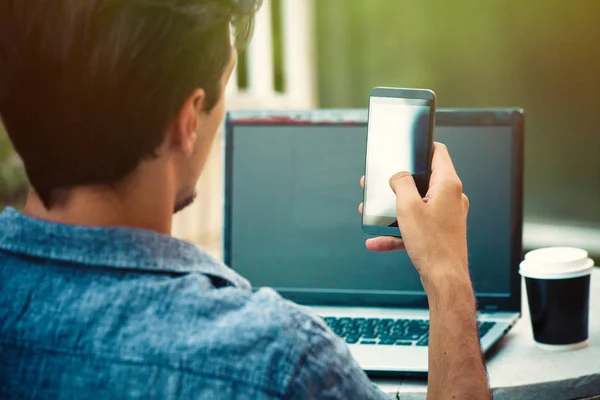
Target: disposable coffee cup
[(558, 290)]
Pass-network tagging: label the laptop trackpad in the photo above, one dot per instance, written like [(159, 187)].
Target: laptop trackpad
[(380, 358)]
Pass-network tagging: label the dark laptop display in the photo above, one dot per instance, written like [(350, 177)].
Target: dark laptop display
[(292, 193)]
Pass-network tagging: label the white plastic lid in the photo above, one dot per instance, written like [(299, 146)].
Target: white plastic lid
[(556, 263)]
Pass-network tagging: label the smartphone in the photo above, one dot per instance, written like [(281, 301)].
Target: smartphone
[(399, 138)]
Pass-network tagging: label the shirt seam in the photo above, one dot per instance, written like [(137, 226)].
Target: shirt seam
[(127, 361), (144, 269)]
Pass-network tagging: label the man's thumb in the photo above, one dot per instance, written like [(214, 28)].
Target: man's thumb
[(407, 195)]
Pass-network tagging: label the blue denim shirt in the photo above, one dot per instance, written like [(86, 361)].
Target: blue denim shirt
[(115, 313)]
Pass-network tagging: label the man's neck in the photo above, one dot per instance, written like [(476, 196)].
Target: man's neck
[(132, 206)]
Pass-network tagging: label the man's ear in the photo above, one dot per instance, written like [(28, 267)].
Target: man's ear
[(187, 122)]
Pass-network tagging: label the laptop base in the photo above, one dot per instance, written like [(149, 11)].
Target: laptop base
[(395, 341)]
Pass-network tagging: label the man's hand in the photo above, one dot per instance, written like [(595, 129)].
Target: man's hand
[(434, 229), (434, 233)]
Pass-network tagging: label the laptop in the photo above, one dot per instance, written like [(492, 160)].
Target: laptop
[(291, 223)]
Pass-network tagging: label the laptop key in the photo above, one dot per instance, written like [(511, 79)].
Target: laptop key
[(402, 336), (352, 330), (339, 330), (344, 321), (485, 328), (424, 341), (352, 339), (402, 332), (370, 335), (416, 329), (385, 331), (354, 326), (384, 323)]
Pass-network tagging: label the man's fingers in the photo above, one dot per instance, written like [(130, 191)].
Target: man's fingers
[(466, 203), (385, 244), (403, 181), (441, 159), (362, 185), (442, 168), (407, 195), (443, 174)]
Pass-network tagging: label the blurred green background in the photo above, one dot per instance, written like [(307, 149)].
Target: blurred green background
[(542, 55)]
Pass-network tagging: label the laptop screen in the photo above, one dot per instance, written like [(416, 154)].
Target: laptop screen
[(292, 221)]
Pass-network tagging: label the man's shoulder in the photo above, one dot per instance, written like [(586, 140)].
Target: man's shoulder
[(246, 321), (114, 299), (181, 324), (255, 338)]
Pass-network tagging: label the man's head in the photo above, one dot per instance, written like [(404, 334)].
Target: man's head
[(90, 90)]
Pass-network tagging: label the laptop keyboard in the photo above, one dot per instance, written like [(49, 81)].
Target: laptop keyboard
[(387, 332)]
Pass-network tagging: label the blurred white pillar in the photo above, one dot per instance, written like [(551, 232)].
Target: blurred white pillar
[(260, 54), (299, 51)]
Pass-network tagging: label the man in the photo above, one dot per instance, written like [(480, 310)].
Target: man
[(113, 105)]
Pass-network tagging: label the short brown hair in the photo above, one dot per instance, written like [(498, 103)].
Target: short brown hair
[(88, 88)]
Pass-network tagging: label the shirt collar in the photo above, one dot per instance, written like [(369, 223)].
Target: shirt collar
[(111, 247)]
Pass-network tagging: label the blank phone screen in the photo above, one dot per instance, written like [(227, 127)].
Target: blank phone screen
[(397, 140)]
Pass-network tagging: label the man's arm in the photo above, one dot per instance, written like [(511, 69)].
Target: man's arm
[(456, 367), (434, 234)]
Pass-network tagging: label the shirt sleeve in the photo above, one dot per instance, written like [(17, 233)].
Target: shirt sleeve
[(327, 370)]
